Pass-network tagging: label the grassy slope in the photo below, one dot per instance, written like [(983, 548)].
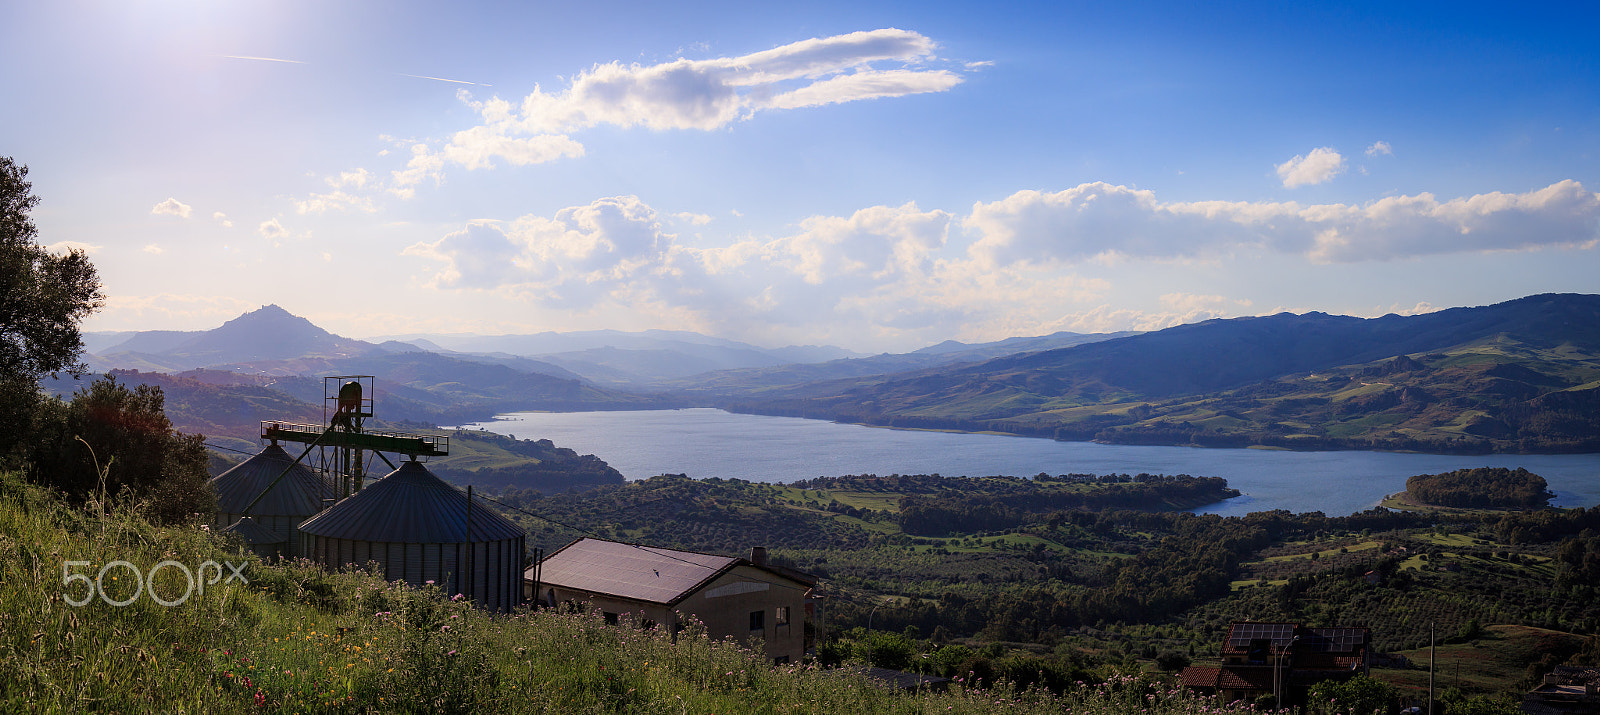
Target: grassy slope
[(1496, 662), (296, 639)]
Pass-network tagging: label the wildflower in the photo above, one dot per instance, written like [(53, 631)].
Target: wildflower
[(261, 699)]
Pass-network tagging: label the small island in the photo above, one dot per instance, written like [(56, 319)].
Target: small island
[(1479, 488)]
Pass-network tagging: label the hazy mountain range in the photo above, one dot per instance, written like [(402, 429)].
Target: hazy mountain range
[(1517, 376), (1521, 375), (271, 341)]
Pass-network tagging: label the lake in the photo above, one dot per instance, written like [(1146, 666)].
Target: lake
[(704, 443)]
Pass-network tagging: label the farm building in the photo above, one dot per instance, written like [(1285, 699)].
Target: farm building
[(278, 511), (1280, 658), (416, 527), (733, 597)]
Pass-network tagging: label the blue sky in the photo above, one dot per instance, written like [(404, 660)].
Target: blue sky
[(879, 176)]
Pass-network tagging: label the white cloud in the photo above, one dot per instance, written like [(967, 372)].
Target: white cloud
[(339, 199), (685, 94), (222, 218), (271, 229), (1420, 308), (334, 200), (171, 207), (1380, 147), (874, 244), (898, 274), (65, 246), (692, 218), (153, 249), (1316, 167), (1099, 220), (350, 179), (573, 258)]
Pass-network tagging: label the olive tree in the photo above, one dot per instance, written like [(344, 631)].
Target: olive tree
[(43, 296)]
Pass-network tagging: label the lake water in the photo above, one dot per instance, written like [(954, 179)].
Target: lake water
[(705, 443)]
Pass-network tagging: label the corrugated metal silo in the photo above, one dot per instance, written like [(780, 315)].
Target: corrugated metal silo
[(415, 525), (263, 541), (296, 497)]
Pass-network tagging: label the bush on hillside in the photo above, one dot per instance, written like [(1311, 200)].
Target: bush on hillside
[(112, 440)]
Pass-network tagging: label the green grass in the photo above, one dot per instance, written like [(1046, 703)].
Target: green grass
[(1495, 663), (297, 639)]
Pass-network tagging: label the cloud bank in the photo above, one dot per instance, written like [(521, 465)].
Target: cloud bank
[(1016, 265)]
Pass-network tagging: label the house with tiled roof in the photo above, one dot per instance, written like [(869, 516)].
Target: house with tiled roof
[(648, 586), (1283, 659), (1565, 689)]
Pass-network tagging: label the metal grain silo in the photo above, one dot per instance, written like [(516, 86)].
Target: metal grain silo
[(297, 496), (416, 526), (261, 540)]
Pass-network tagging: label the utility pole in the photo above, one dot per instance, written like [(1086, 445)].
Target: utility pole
[(1432, 649)]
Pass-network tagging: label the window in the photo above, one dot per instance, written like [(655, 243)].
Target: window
[(611, 618), (758, 620), (780, 616), (781, 660)]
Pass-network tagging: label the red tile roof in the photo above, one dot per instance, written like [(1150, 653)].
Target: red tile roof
[(1233, 678)]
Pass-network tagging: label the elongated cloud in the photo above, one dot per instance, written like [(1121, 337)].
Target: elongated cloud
[(1098, 219), (1008, 267), (172, 207), (1316, 167), (687, 94)]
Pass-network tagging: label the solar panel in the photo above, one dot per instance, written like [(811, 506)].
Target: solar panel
[(1334, 640), (1242, 633)]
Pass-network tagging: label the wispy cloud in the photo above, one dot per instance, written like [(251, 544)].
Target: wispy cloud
[(222, 218), (263, 59), (1380, 147), (442, 79), (341, 197), (687, 94)]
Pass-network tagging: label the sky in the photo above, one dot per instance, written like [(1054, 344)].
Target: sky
[(877, 176)]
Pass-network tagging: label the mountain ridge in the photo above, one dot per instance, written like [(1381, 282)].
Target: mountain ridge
[(1515, 376)]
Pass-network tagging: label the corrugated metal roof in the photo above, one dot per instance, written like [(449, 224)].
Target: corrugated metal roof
[(641, 573), (254, 533), (410, 506), (299, 494)]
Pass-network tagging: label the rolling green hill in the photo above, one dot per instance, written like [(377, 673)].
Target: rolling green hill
[(1520, 376)]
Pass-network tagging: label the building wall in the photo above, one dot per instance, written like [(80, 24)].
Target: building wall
[(494, 581), (724, 606)]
